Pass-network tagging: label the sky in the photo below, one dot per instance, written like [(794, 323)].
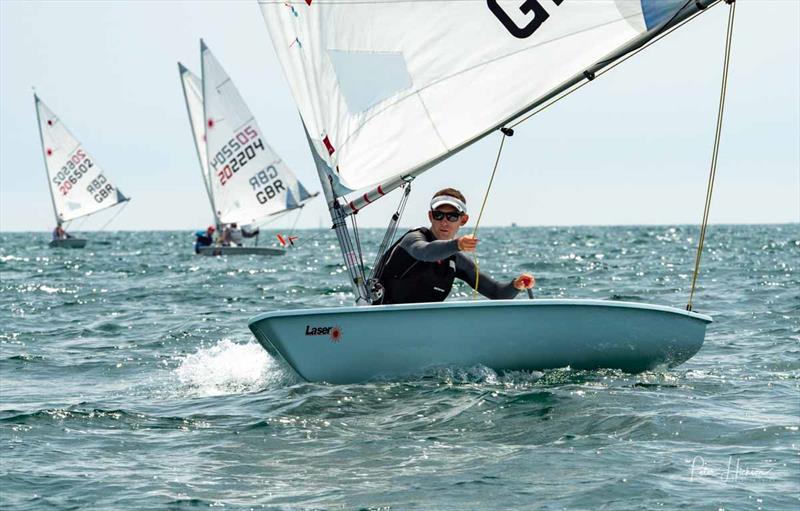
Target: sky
[(632, 147)]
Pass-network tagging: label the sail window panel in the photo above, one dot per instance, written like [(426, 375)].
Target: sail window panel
[(388, 144), (303, 193), (656, 12), (367, 78)]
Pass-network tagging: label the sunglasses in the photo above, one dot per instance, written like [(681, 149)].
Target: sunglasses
[(440, 215)]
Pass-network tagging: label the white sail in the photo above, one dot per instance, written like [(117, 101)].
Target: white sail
[(248, 180), (388, 87), (78, 185), (193, 95)]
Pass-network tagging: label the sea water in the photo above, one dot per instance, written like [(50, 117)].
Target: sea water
[(129, 380)]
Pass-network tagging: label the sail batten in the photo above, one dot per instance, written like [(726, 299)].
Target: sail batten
[(247, 180), (78, 185), (460, 70)]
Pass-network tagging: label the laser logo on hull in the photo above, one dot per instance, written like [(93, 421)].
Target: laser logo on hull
[(334, 332)]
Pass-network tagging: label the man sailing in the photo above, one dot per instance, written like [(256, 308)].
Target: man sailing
[(422, 265), (59, 233)]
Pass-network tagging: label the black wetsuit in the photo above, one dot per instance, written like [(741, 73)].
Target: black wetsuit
[(419, 268)]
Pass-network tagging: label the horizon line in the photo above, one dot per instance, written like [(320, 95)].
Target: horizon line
[(2, 231)]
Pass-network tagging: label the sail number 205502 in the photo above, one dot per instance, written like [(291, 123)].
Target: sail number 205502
[(236, 153)]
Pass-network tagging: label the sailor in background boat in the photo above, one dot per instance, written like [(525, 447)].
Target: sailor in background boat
[(204, 238), (59, 233), (233, 236), (422, 265)]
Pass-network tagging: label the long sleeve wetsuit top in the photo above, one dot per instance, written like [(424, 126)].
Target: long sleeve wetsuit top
[(415, 244)]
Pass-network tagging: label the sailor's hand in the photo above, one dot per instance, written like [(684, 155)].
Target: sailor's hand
[(524, 281), (467, 243)]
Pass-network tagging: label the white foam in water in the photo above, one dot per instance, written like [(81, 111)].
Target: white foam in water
[(229, 367)]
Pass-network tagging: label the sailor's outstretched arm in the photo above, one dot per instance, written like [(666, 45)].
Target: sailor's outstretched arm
[(423, 250), (487, 286)]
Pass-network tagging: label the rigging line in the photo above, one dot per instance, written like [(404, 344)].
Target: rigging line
[(322, 232), (715, 154), (274, 217), (358, 241), (271, 220), (605, 70), (80, 223), (506, 133), (357, 248), (296, 220), (120, 210), (388, 237)]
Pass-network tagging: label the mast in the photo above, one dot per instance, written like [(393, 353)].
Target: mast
[(339, 217), (205, 133), (183, 70), (44, 157)]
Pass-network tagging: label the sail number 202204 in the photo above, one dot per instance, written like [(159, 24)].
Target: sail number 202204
[(237, 153)]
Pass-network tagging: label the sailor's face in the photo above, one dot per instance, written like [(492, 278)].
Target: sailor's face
[(445, 229)]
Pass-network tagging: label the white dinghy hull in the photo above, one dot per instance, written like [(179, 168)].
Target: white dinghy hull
[(389, 342), (68, 243), (233, 251)]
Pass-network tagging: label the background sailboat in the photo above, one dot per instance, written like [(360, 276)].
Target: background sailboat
[(78, 185), (443, 75), (246, 181)]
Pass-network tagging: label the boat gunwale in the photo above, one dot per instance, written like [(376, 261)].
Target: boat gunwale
[(68, 243), (481, 303)]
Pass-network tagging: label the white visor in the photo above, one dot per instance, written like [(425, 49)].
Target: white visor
[(441, 200)]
